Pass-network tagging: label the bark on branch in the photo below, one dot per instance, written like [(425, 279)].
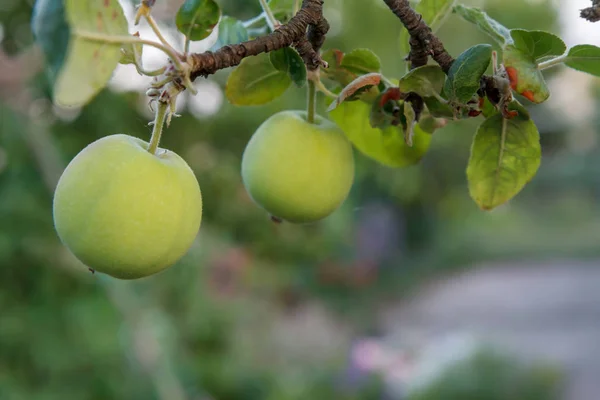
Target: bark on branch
[(592, 13), (423, 43), (294, 33)]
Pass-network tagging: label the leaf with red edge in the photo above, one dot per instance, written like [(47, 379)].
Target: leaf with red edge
[(355, 88), (385, 110), (525, 77), (335, 72)]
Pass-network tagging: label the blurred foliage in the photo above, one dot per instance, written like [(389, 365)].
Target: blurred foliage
[(490, 375), (257, 311)]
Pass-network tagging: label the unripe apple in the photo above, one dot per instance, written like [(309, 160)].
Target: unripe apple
[(125, 212), (298, 171)]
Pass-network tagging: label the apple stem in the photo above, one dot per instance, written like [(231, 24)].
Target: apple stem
[(159, 121), (312, 101)]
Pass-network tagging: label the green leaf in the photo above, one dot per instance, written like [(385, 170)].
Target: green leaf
[(386, 109), (361, 61), (279, 60), (425, 81), (387, 146), (335, 71), (538, 44), (131, 53), (297, 69), (196, 19), (437, 108), (466, 72), (496, 30), (584, 58), (89, 63), (429, 124), (52, 32), (489, 110), (516, 106), (505, 156), (231, 31), (282, 9), (433, 12), (525, 77), (288, 60), (281, 5), (333, 57), (256, 81), (411, 118), (383, 113)]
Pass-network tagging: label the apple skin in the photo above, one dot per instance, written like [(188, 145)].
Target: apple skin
[(297, 171), (125, 212)]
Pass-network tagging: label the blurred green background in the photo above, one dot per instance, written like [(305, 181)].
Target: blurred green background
[(258, 311)]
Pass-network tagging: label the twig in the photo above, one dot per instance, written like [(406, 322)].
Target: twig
[(156, 30), (317, 32), (248, 23), (294, 33), (423, 42), (592, 13)]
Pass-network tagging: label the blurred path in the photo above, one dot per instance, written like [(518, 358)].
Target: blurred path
[(548, 310)]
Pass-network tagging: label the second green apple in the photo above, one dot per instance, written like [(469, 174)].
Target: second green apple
[(298, 171)]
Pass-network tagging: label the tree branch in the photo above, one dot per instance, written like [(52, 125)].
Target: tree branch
[(423, 43), (317, 32), (294, 33), (592, 13)]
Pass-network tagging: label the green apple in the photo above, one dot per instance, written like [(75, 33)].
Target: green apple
[(298, 171), (125, 212)]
